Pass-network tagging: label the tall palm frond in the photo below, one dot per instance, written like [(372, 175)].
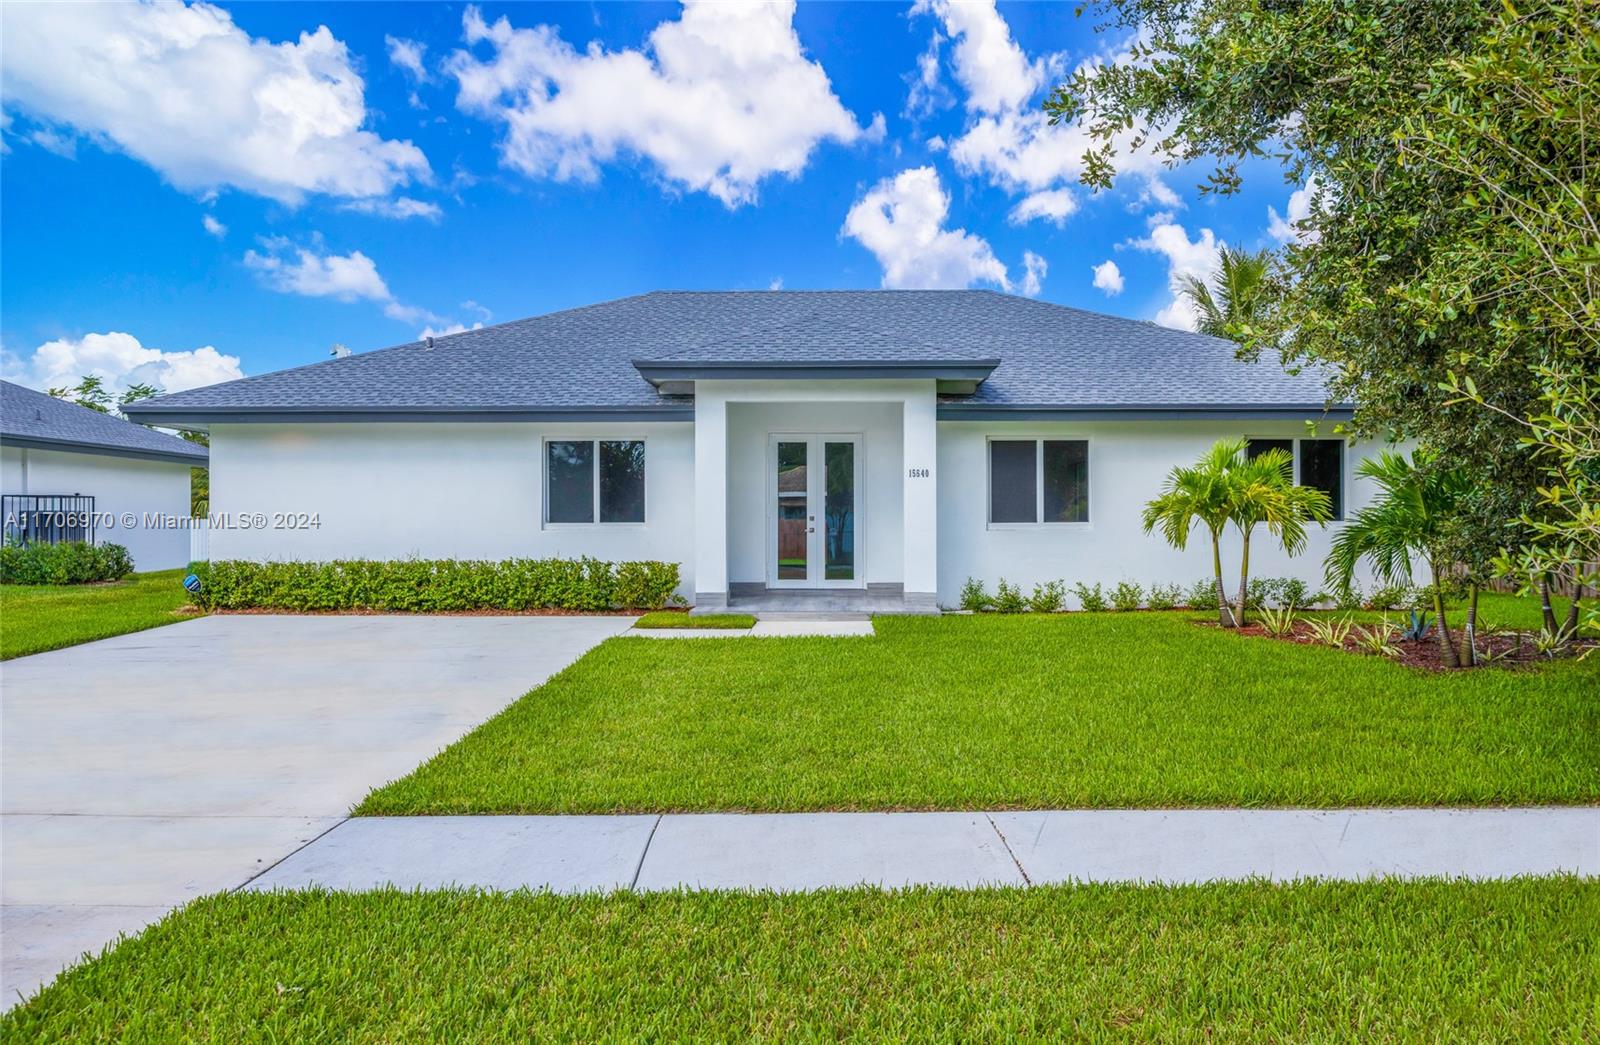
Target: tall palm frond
[(1240, 285)]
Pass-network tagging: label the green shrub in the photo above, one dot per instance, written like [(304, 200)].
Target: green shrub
[(1202, 595), (1393, 597), (974, 597), (1294, 595), (1091, 599), (437, 585), (1047, 597), (72, 562), (1127, 596), (1164, 596), (1263, 592), (1008, 598)]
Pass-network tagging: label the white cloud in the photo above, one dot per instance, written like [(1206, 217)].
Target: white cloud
[(1035, 269), (776, 284), (400, 208), (343, 277), (120, 360), (186, 91), (1055, 205), (987, 62), (1009, 139), (718, 100), (448, 328), (1286, 228), (213, 226), (1108, 277), (927, 93), (1185, 257), (64, 145), (407, 55), (900, 220)]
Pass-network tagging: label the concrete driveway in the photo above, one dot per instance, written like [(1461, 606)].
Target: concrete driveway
[(140, 772)]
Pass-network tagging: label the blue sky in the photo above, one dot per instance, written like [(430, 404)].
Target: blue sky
[(190, 193)]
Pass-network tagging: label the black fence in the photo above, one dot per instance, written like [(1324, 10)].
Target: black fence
[(47, 518)]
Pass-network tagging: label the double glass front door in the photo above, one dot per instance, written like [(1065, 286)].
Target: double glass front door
[(814, 528)]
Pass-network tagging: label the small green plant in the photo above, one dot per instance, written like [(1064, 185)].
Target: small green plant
[(1202, 594), (1330, 631), (1417, 626), (1164, 596), (1349, 598), (974, 597), (1389, 597), (1090, 599), (1008, 598), (1548, 643), (1263, 592), (1127, 596), (1377, 639), (1280, 622), (1047, 597), (1293, 594)]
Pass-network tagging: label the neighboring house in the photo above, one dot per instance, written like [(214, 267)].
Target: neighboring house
[(897, 441), (71, 473)]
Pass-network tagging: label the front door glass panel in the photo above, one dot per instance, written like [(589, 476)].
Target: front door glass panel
[(839, 511), (793, 524)]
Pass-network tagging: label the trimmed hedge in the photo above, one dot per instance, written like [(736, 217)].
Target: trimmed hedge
[(437, 585), (72, 562)]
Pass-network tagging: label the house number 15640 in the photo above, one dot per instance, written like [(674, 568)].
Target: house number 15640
[(919, 473)]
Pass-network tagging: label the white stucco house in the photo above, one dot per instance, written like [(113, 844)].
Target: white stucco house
[(71, 473), (878, 445)]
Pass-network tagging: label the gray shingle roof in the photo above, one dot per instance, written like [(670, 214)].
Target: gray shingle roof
[(35, 420), (1051, 357)]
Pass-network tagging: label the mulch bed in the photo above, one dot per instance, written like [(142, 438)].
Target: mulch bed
[(1425, 653)]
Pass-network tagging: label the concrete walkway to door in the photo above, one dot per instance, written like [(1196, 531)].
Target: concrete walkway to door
[(140, 772), (799, 851)]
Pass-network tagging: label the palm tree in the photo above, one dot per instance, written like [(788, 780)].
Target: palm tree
[(1203, 493), (1240, 286), (1265, 493), (1408, 519)]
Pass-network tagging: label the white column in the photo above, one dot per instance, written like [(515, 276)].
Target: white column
[(921, 502), (710, 499)]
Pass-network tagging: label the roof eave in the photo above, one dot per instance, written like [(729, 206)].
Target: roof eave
[(964, 371), (1143, 411), (199, 418), (75, 446)]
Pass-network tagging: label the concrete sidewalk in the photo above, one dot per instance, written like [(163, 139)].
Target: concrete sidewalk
[(799, 851)]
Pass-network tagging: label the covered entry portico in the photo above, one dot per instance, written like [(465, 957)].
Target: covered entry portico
[(814, 474), (815, 496)]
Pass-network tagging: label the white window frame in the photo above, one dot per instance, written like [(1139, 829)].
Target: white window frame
[(1294, 442), (595, 520), (1039, 522)]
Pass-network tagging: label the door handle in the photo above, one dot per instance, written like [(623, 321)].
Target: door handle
[(811, 529)]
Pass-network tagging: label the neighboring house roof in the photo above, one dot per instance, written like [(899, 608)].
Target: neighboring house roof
[(1031, 357), (33, 420)]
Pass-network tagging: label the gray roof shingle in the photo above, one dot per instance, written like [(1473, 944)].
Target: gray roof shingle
[(1051, 357), (33, 419)]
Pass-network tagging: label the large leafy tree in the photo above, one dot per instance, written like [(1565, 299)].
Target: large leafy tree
[(1453, 229)]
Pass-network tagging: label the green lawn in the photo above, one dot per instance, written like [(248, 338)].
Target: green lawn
[(1334, 962), (669, 619), (35, 618), (987, 712)]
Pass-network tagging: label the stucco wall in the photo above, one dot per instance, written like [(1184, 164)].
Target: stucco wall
[(750, 426), (468, 491), (119, 485), (1128, 462)]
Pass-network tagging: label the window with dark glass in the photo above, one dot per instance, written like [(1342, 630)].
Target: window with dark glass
[(1013, 478), (1038, 480), (1254, 448), (589, 479), (1322, 467), (622, 480), (1066, 480)]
